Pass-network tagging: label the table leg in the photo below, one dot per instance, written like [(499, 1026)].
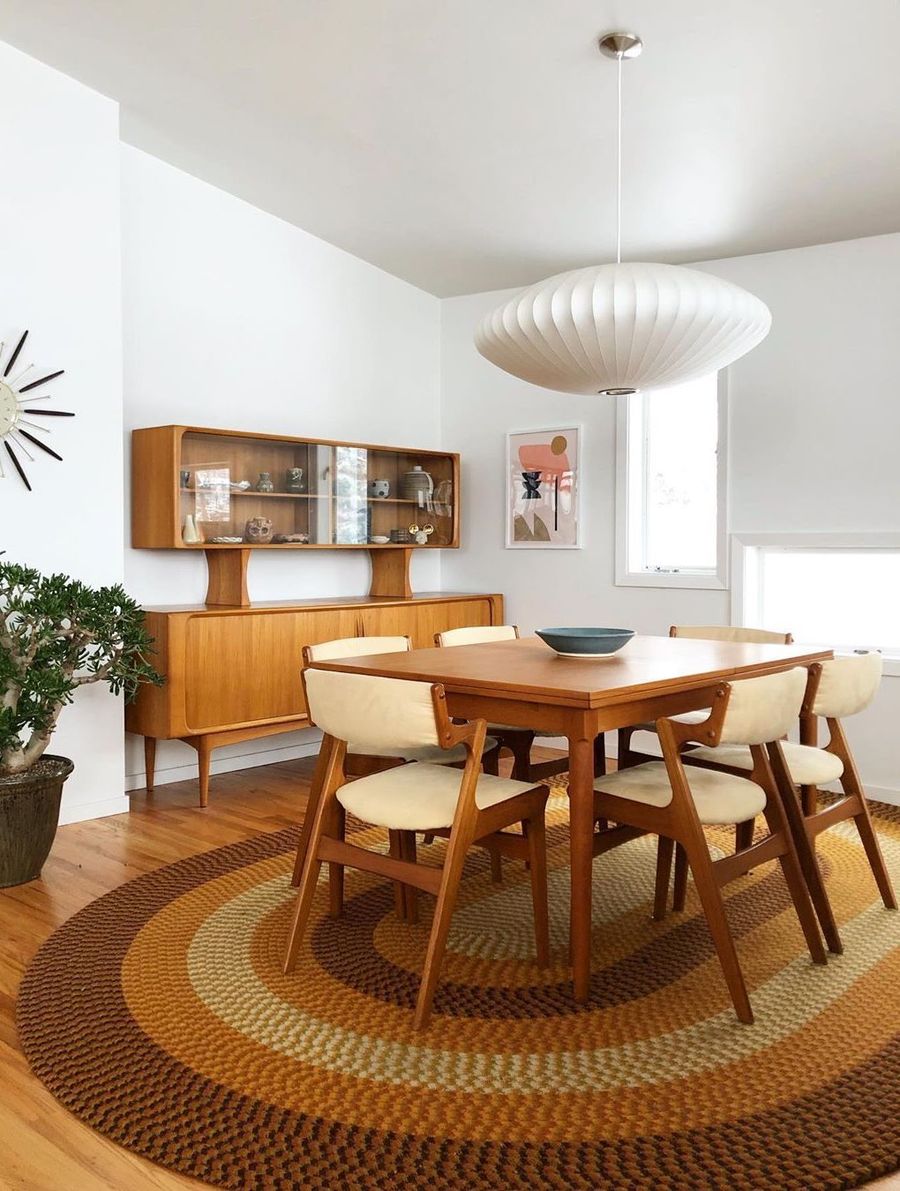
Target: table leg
[(581, 830)]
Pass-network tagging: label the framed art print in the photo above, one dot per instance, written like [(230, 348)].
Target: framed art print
[(542, 483)]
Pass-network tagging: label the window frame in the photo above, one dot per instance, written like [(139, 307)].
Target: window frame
[(746, 588), (626, 575)]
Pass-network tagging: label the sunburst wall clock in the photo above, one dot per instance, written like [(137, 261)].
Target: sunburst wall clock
[(19, 406)]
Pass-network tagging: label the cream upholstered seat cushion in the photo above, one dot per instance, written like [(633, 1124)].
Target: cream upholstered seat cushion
[(478, 634), (433, 753), (420, 797), (719, 797), (356, 647), (808, 766)]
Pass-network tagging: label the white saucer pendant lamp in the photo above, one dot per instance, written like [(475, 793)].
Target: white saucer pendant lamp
[(620, 328)]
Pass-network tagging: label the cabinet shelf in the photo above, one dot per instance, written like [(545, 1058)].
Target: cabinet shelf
[(163, 509)]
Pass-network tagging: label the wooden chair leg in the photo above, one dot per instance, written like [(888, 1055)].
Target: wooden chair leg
[(395, 849), (520, 747), (408, 852), (679, 892), (490, 762), (809, 797), (743, 835), (806, 852), (623, 749), (873, 851), (664, 850), (600, 755), (311, 862), (535, 833), (454, 860), (336, 826), (427, 839), (793, 876), (714, 908)]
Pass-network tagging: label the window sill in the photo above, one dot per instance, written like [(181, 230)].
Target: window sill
[(690, 579)]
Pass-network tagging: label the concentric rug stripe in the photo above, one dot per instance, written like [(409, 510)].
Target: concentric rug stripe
[(159, 1015)]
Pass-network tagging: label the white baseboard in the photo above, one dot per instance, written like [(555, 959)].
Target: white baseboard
[(227, 764), (80, 811)]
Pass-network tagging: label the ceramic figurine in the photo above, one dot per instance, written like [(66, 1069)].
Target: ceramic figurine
[(293, 479), (379, 489), (264, 483), (190, 533), (421, 534), (258, 531), (185, 477)]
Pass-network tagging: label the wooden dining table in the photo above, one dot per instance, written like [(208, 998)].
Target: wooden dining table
[(524, 683)]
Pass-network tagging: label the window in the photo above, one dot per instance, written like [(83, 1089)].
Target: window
[(671, 486), (834, 590)]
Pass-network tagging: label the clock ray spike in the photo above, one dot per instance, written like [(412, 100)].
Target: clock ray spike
[(15, 355), (2, 472), (17, 465), (14, 380), (42, 381), (43, 446), (16, 435), (33, 425), (50, 413), (41, 397)]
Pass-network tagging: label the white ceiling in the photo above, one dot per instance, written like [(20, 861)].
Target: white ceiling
[(468, 144)]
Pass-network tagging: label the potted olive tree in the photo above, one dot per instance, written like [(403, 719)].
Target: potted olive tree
[(56, 635)]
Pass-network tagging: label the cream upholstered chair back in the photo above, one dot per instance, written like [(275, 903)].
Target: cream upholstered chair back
[(356, 647), (719, 632), (478, 634), (763, 709), (372, 712), (847, 685)]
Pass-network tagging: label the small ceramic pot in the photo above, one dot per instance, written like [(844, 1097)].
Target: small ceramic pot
[(293, 479), (264, 483), (379, 488)]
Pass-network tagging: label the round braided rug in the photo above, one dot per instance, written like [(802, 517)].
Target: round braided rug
[(159, 1015)]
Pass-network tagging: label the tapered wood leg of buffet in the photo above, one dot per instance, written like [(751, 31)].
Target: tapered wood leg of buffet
[(204, 754), (150, 760)]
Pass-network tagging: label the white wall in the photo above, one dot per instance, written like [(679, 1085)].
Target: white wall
[(60, 270), (814, 428), (234, 318)]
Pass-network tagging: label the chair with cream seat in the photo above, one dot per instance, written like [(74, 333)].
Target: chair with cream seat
[(359, 762), (701, 632), (518, 740), (835, 690), (676, 802), (466, 806)]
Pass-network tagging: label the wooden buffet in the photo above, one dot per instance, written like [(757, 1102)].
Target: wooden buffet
[(232, 666)]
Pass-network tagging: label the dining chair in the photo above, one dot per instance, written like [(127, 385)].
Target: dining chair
[(358, 763), (700, 632), (516, 739), (676, 803), (466, 806), (836, 689)]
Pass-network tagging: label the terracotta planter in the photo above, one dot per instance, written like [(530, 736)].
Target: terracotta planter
[(29, 815)]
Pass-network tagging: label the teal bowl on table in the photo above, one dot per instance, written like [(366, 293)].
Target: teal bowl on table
[(585, 643)]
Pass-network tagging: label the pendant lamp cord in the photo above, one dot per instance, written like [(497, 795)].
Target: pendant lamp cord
[(619, 161)]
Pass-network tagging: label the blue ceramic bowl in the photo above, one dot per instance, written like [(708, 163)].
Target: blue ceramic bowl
[(585, 643)]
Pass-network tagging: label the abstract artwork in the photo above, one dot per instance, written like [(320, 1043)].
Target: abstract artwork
[(542, 489)]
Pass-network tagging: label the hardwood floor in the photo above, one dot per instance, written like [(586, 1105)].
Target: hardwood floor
[(43, 1147)]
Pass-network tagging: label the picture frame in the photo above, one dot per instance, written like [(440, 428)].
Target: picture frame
[(542, 489)]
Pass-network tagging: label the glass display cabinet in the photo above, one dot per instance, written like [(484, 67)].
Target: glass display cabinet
[(227, 492)]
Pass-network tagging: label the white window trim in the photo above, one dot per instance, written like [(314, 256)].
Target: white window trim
[(715, 581), (745, 548)]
